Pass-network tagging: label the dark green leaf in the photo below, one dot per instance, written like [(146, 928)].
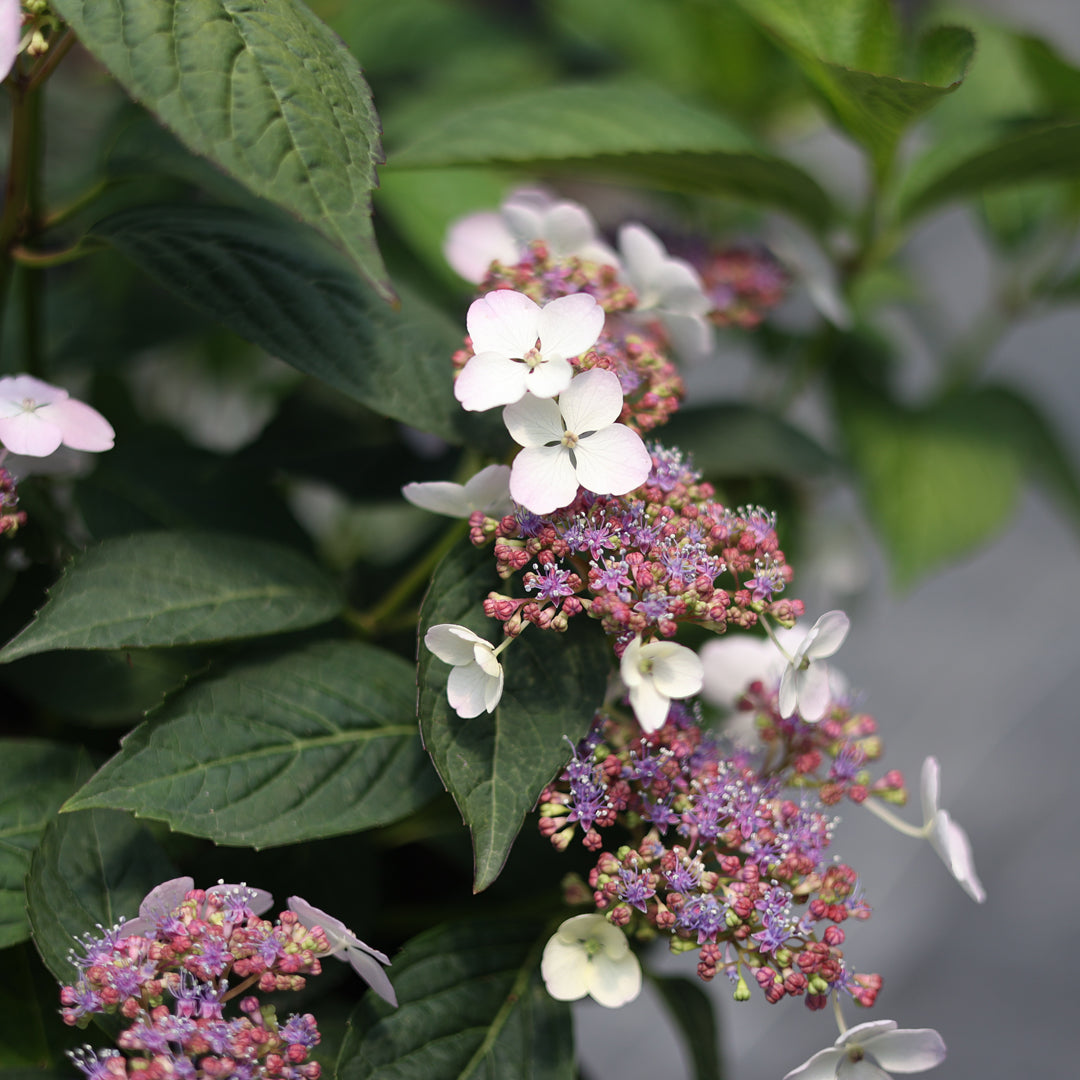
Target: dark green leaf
[(937, 481), (89, 869), (848, 52), (496, 764), (35, 778), (264, 90), (622, 131), (741, 440), (269, 283), (173, 588), (101, 688), (314, 743), (33, 1037), (471, 1005), (987, 162), (691, 1009)]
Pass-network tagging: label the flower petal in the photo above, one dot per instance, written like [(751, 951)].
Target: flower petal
[(677, 670), (951, 842), (338, 935), (503, 322), (453, 644), (614, 982), (822, 1066), (568, 228), (534, 421), (907, 1050), (612, 461), (549, 379), (257, 900), (372, 973), (543, 479), (10, 34), (813, 691), (642, 253), (489, 490), (440, 497), (788, 697), (473, 243), (31, 434), (467, 690), (19, 388), (828, 634), (650, 705), (570, 325), (859, 1033), (490, 379), (593, 400), (931, 789), (565, 969), (83, 427), (630, 665), (731, 663)]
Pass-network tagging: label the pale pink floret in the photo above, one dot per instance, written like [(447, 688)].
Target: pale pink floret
[(947, 838), (656, 674), (669, 288), (588, 955), (523, 348), (345, 945), (575, 442), (475, 241), (476, 683), (871, 1051), (36, 419), (10, 34), (805, 682)]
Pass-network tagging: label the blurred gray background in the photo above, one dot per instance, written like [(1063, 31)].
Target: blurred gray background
[(979, 666)]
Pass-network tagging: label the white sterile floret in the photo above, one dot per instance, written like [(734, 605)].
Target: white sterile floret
[(871, 1051), (162, 900), (805, 684), (523, 348), (655, 674), (475, 241), (668, 287), (575, 442), (345, 945), (947, 838), (588, 955), (488, 491), (36, 419), (732, 662), (476, 683)]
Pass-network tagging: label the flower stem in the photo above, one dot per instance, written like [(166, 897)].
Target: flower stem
[(839, 1014), (892, 819), (370, 621)]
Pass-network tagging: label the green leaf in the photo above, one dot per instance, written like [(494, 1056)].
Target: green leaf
[(691, 1009), (741, 440), (937, 481), (264, 90), (33, 1038), (471, 1005), (89, 869), (987, 162), (495, 765), (848, 51), (177, 588), (314, 743), (618, 131), (36, 776), (268, 282)]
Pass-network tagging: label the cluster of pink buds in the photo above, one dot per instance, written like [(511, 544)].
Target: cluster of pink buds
[(11, 517), (743, 284), (641, 563), (721, 855), (171, 972)]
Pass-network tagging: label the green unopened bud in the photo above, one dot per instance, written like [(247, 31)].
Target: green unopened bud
[(680, 945), (742, 991), (817, 985), (783, 957)]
